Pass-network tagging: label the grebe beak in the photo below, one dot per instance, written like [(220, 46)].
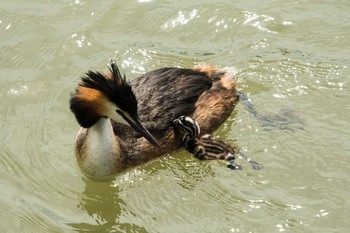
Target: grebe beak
[(136, 125)]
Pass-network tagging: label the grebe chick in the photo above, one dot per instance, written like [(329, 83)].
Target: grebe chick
[(110, 111), (206, 147)]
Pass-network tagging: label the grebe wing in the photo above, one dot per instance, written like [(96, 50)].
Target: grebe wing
[(166, 94)]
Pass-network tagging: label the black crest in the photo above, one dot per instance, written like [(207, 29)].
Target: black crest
[(117, 89)]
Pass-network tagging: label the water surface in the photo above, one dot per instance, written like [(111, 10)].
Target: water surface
[(293, 61)]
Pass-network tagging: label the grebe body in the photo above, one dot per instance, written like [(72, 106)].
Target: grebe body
[(106, 105)]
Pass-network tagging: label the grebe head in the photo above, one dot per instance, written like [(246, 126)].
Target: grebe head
[(188, 126), (107, 95)]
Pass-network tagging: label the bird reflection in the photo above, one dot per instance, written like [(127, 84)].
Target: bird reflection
[(102, 203)]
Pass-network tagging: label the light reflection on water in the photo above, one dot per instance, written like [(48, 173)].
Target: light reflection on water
[(298, 83)]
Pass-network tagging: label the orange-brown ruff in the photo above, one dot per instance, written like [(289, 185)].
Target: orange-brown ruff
[(104, 146)]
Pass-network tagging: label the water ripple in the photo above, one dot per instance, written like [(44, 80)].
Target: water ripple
[(181, 19), (47, 45)]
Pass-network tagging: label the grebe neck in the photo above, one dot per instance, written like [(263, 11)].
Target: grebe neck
[(102, 154)]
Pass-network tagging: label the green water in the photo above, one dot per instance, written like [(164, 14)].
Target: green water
[(293, 61)]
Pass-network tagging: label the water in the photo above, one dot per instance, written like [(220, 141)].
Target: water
[(293, 60)]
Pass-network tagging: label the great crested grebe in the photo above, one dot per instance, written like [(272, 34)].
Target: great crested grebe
[(206, 147), (106, 105)]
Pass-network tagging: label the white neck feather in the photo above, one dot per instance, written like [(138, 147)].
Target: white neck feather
[(102, 156)]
